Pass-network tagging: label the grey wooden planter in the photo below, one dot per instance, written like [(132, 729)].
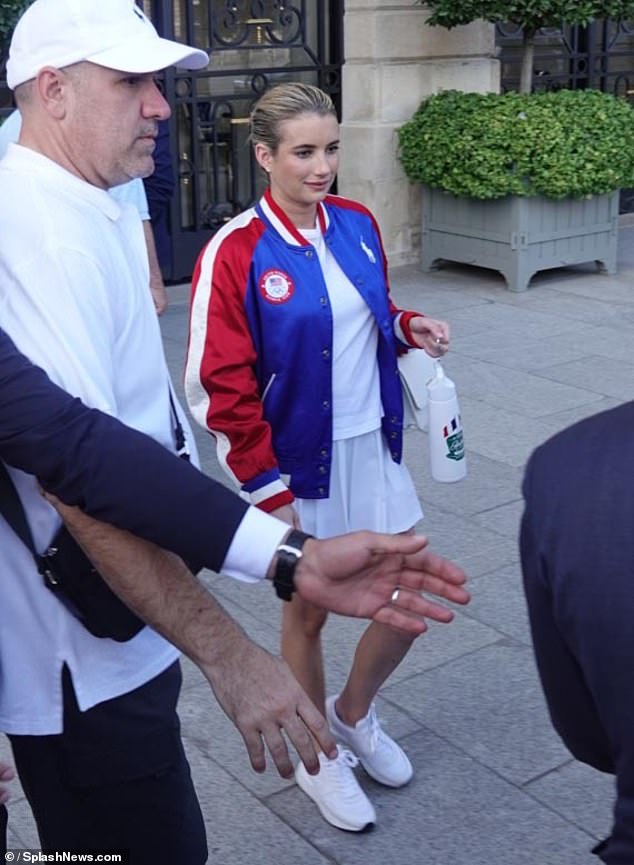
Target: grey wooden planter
[(519, 236)]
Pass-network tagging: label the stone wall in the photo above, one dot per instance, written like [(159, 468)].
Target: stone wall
[(392, 61)]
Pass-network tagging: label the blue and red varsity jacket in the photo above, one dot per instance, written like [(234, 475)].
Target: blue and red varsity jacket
[(259, 365)]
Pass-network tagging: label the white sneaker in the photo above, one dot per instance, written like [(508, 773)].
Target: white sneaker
[(379, 755), (336, 792)]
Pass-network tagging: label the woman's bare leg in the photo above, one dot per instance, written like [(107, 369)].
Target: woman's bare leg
[(301, 647)]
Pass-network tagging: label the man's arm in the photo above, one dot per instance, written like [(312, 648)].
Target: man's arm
[(256, 690), (157, 286)]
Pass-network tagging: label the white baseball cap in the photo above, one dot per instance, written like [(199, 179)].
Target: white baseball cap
[(112, 33)]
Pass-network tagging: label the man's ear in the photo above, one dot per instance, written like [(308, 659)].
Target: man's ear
[(52, 87)]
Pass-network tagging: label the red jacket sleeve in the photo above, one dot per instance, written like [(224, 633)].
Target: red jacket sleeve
[(220, 382)]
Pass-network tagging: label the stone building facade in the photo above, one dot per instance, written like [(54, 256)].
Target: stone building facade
[(392, 61)]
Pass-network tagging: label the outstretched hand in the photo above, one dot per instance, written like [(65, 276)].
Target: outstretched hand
[(358, 574)]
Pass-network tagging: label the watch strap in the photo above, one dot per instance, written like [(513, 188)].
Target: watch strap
[(288, 555)]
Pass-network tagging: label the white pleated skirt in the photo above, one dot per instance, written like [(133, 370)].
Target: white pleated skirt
[(368, 490)]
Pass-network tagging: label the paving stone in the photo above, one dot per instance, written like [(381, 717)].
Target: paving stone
[(510, 390), (478, 550), (560, 420), (519, 352), (489, 483), (497, 600), (505, 435), (241, 830), (455, 811), (488, 703), (441, 644), (504, 519), (500, 317), (585, 796), (602, 375), (22, 831)]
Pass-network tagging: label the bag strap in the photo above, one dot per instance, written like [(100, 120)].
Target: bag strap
[(12, 510), (179, 433)]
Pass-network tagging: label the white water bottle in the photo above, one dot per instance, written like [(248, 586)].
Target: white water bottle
[(446, 440)]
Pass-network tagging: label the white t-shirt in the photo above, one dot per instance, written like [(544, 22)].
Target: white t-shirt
[(73, 296), (132, 192), (356, 390)]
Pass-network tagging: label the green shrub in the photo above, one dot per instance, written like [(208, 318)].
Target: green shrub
[(568, 143), (10, 11), (529, 14)]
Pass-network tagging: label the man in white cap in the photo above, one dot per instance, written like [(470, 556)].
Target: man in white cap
[(92, 721)]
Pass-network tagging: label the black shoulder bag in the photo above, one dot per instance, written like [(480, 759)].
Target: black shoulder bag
[(69, 573)]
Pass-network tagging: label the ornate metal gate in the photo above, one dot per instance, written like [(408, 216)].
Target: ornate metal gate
[(600, 56), (253, 44)]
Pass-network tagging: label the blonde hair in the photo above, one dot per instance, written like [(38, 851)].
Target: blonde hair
[(284, 102)]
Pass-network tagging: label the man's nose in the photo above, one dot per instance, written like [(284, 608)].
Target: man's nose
[(155, 104)]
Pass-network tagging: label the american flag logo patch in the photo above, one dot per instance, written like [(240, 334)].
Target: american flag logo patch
[(276, 286)]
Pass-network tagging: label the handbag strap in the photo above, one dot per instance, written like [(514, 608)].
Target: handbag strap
[(12, 510), (179, 433)]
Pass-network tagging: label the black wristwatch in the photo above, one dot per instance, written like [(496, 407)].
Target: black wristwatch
[(288, 555)]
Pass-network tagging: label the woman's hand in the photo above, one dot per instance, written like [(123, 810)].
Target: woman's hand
[(430, 334), (287, 514)]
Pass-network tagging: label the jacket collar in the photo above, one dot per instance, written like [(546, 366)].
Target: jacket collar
[(280, 222)]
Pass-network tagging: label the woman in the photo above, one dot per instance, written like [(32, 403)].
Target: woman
[(292, 367)]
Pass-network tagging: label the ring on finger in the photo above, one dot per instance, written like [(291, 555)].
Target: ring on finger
[(395, 594)]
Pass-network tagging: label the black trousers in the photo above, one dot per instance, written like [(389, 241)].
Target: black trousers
[(116, 779)]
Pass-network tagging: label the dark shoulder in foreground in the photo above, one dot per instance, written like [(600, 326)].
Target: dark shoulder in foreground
[(589, 442)]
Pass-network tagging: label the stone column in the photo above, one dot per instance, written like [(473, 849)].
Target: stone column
[(392, 61)]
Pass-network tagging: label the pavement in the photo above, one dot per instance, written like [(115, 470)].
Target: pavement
[(493, 784)]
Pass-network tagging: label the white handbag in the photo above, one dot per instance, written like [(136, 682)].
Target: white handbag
[(416, 369)]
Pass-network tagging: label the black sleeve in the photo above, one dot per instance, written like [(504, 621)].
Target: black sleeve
[(110, 471)]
